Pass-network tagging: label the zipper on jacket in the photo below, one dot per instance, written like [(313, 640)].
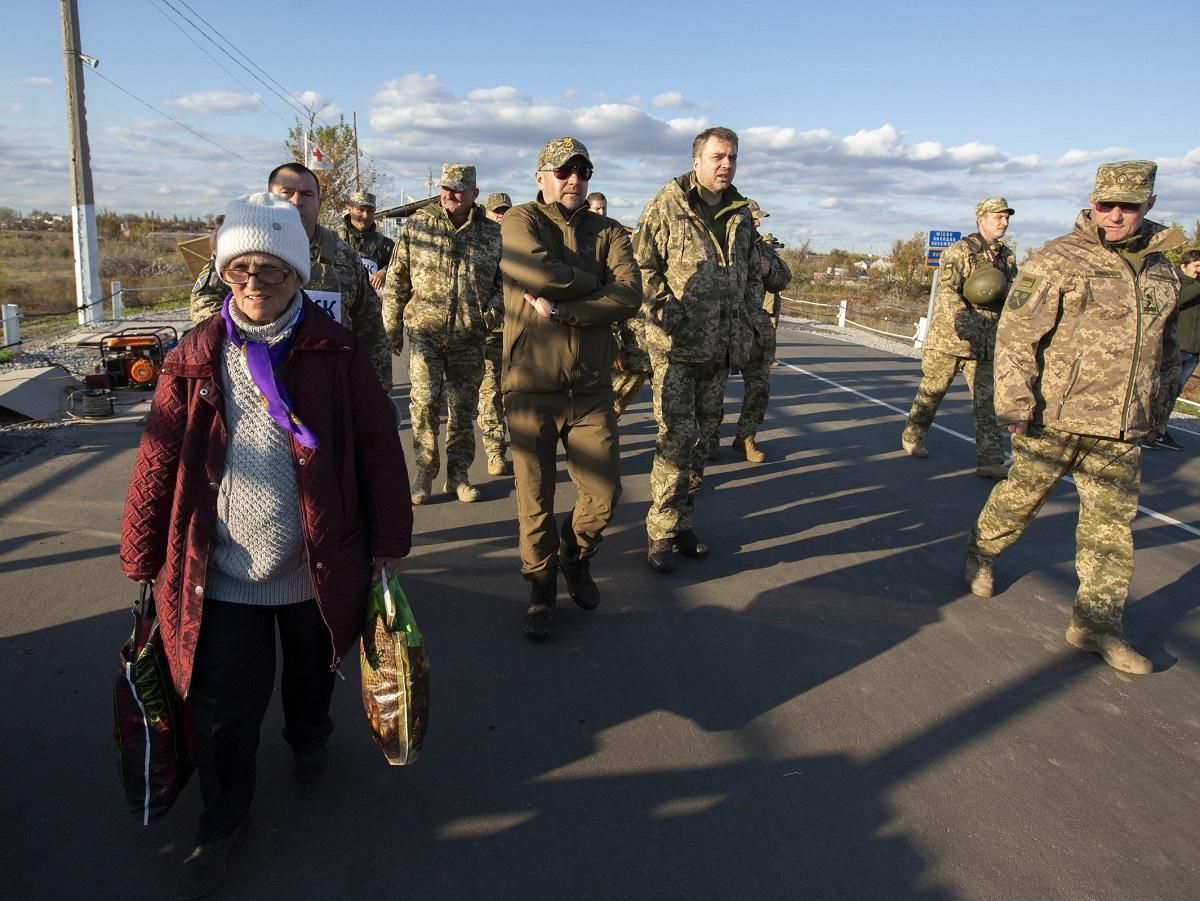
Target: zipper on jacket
[(308, 543), (1070, 387), (1137, 344)]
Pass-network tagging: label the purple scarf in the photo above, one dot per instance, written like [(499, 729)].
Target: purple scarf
[(262, 360)]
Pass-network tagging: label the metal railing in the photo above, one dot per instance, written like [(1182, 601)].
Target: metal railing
[(843, 320)]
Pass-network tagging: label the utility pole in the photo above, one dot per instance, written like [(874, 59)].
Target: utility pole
[(83, 205), (429, 183), (354, 119)]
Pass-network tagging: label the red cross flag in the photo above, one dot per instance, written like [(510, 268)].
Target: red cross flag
[(317, 160)]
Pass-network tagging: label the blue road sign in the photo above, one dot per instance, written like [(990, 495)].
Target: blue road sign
[(943, 239)]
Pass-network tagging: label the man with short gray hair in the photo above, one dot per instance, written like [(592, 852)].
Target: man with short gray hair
[(443, 286), (1086, 357), (973, 277)]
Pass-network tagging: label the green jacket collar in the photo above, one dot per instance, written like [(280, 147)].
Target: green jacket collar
[(731, 199), (1158, 238), (557, 213)]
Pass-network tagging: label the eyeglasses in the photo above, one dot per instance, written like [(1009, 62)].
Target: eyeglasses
[(1106, 207), (268, 275), (562, 173)]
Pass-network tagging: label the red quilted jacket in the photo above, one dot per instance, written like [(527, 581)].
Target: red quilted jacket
[(354, 499)]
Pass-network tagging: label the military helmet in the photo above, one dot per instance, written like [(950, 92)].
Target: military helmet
[(985, 285)]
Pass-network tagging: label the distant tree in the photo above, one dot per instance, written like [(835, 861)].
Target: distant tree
[(908, 264), (337, 182)]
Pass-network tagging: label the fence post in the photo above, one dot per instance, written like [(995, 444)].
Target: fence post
[(12, 324), (118, 300), (922, 330), (842, 313)]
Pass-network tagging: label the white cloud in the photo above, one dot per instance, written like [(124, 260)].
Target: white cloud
[(879, 142), (37, 81), (973, 153), (317, 103), (1075, 157), (504, 92), (215, 102)]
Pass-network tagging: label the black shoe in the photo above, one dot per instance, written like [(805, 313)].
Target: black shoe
[(1168, 442), (1147, 444), (310, 770), (539, 615), (582, 589), (689, 545), (661, 555), (204, 868)]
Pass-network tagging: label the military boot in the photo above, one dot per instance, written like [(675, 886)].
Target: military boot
[(466, 492), (978, 574), (713, 454), (688, 544), (748, 449), (914, 447), (660, 555), (498, 466), (539, 615), (422, 487), (997, 471), (580, 585), (1113, 648)]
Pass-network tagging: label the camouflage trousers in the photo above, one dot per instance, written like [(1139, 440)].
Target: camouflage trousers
[(688, 407), (443, 370), (937, 372), (1107, 475), (586, 424), (756, 377), (491, 404)]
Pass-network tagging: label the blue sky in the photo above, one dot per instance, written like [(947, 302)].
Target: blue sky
[(860, 122)]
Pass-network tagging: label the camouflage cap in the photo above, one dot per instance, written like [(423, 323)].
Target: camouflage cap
[(457, 176), (1130, 181), (558, 150), (497, 201), (361, 198), (757, 211), (992, 205)]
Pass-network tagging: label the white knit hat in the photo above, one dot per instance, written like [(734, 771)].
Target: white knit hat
[(263, 223)]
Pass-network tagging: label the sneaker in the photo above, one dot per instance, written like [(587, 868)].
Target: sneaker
[(421, 489), (997, 471), (580, 585), (498, 466), (914, 448), (689, 545), (539, 615), (1147, 444), (1168, 442), (1113, 648), (466, 492), (978, 575), (310, 770), (748, 449), (660, 555), (204, 868)]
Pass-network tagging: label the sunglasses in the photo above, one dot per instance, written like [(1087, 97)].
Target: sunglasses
[(268, 275), (1106, 207), (562, 173)]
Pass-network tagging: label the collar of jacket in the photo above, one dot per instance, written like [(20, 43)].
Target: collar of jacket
[(439, 211), (323, 247), (357, 232), (557, 213), (1159, 238), (731, 198)]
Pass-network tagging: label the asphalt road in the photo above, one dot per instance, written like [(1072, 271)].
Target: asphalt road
[(818, 710)]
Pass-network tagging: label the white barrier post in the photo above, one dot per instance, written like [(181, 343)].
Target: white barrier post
[(922, 330), (118, 300), (12, 324), (842, 314)]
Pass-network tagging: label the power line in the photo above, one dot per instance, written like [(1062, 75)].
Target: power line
[(187, 128)]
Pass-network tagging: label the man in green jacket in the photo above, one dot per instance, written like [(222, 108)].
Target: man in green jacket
[(337, 283), (1188, 328), (702, 287), (569, 274), (1085, 360), (358, 229)]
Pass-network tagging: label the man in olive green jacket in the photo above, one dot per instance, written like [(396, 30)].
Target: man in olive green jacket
[(1085, 359), (569, 274), (702, 288), (1188, 328)]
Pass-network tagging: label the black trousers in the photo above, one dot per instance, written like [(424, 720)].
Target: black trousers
[(232, 681)]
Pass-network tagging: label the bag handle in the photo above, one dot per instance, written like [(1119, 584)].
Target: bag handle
[(143, 607)]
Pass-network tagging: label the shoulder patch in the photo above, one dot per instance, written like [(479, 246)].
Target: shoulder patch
[(1023, 290)]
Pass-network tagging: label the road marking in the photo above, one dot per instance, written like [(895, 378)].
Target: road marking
[(1161, 517)]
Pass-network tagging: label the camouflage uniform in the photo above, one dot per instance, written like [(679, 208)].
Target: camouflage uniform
[(700, 296), (756, 373), (491, 403), (962, 337), (1085, 355), (635, 365), (338, 284), (374, 247), (443, 286)]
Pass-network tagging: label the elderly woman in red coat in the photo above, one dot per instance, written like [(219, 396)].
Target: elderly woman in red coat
[(269, 485)]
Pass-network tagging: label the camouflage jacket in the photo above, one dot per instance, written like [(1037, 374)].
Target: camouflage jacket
[(444, 279), (776, 279), (699, 295), (1087, 344), (374, 247), (337, 283), (960, 328), (582, 262)]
